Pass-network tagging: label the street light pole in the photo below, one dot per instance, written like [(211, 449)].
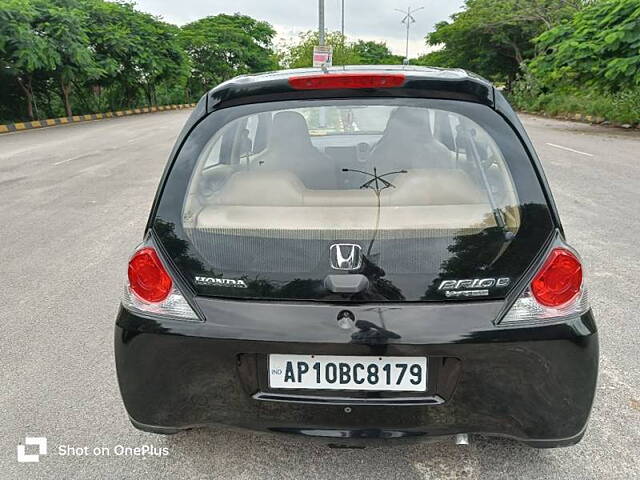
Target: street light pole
[(343, 20), (408, 20), (321, 22)]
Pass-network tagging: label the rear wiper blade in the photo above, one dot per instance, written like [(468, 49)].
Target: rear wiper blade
[(498, 215), (377, 179)]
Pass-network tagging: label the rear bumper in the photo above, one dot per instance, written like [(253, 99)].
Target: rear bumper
[(532, 384)]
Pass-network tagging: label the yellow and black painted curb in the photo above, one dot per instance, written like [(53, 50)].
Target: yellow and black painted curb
[(17, 127)]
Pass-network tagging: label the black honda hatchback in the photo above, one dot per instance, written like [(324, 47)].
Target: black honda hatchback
[(360, 252)]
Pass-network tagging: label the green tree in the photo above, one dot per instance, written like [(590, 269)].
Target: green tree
[(82, 48), (495, 37), (437, 58), (375, 53), (63, 23), (599, 47), (43, 39), (224, 46), (137, 52), (23, 51), (299, 54)]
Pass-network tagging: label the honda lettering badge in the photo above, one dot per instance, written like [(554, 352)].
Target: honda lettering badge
[(345, 256)]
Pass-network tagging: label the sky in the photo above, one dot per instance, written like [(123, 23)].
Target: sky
[(364, 19)]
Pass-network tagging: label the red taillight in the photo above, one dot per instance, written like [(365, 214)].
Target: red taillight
[(336, 81), (559, 280), (147, 277)]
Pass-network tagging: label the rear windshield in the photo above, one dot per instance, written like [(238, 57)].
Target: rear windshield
[(411, 195)]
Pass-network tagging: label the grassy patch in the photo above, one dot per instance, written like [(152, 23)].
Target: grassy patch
[(622, 107)]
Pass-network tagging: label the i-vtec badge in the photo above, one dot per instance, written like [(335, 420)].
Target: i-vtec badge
[(475, 287), (220, 282)]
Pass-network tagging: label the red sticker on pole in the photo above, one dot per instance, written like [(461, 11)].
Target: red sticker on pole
[(322, 56)]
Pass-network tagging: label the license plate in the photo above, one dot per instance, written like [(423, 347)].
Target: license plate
[(320, 372)]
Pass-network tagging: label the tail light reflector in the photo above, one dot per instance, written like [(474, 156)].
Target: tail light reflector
[(147, 277), (559, 280), (150, 289), (337, 81), (557, 290)]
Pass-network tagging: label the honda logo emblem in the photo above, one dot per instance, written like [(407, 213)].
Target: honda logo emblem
[(345, 256)]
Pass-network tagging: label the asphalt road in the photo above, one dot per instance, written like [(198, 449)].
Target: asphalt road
[(73, 203)]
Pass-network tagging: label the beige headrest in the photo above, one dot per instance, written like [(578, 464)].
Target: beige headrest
[(290, 131), (260, 188), (433, 187)]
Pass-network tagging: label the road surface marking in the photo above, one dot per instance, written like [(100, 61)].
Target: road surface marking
[(569, 149), (77, 157)]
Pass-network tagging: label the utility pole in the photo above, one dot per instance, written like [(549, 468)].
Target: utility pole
[(408, 20), (343, 20), (321, 22), (321, 42)]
